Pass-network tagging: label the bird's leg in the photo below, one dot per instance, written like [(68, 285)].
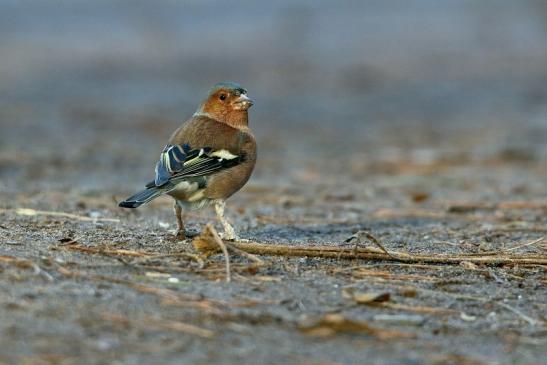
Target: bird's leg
[(181, 233), (229, 232)]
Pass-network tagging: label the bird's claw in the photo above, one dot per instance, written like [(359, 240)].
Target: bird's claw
[(183, 234), (226, 236), (180, 234)]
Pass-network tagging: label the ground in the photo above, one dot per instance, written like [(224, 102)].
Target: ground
[(62, 304), (445, 160)]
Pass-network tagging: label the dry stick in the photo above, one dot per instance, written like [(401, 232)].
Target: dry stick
[(370, 254), (222, 246)]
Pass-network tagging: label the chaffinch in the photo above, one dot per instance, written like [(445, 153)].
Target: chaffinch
[(208, 158)]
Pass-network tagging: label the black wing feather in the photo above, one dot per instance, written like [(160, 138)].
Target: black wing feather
[(178, 162)]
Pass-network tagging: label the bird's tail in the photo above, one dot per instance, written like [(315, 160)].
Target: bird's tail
[(141, 197)]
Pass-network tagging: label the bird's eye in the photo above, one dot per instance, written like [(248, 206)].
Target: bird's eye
[(222, 97)]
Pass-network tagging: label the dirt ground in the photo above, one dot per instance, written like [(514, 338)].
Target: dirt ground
[(432, 161)]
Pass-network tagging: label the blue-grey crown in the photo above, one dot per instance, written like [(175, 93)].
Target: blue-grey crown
[(227, 85)]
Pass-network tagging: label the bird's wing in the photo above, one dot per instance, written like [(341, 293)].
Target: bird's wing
[(179, 162)]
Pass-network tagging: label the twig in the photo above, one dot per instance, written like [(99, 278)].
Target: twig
[(369, 254), (222, 246)]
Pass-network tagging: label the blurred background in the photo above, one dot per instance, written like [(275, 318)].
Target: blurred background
[(90, 91)]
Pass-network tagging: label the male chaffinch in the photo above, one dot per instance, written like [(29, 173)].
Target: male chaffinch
[(208, 158)]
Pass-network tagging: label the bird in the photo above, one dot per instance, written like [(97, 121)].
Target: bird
[(207, 159)]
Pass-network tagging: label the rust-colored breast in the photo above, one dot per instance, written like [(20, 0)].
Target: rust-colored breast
[(202, 131)]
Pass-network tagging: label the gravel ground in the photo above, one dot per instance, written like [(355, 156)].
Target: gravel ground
[(428, 152)]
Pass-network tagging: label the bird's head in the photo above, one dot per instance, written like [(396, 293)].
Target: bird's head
[(227, 102)]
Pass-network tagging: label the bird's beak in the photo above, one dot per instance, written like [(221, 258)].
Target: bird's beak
[(243, 102)]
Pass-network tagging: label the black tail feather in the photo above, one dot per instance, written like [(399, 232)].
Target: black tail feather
[(141, 197)]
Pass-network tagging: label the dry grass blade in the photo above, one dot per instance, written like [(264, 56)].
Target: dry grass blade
[(527, 318), (23, 263), (359, 237), (524, 245), (458, 360), (250, 256), (178, 326), (157, 323), (522, 315), (26, 264), (222, 246), (168, 296), (195, 257), (161, 292), (104, 250), (34, 212), (365, 273)]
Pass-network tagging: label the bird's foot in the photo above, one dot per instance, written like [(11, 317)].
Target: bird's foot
[(229, 236), (180, 234), (234, 238), (183, 234), (191, 233)]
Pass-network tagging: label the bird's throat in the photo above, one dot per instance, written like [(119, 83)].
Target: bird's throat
[(237, 118)]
